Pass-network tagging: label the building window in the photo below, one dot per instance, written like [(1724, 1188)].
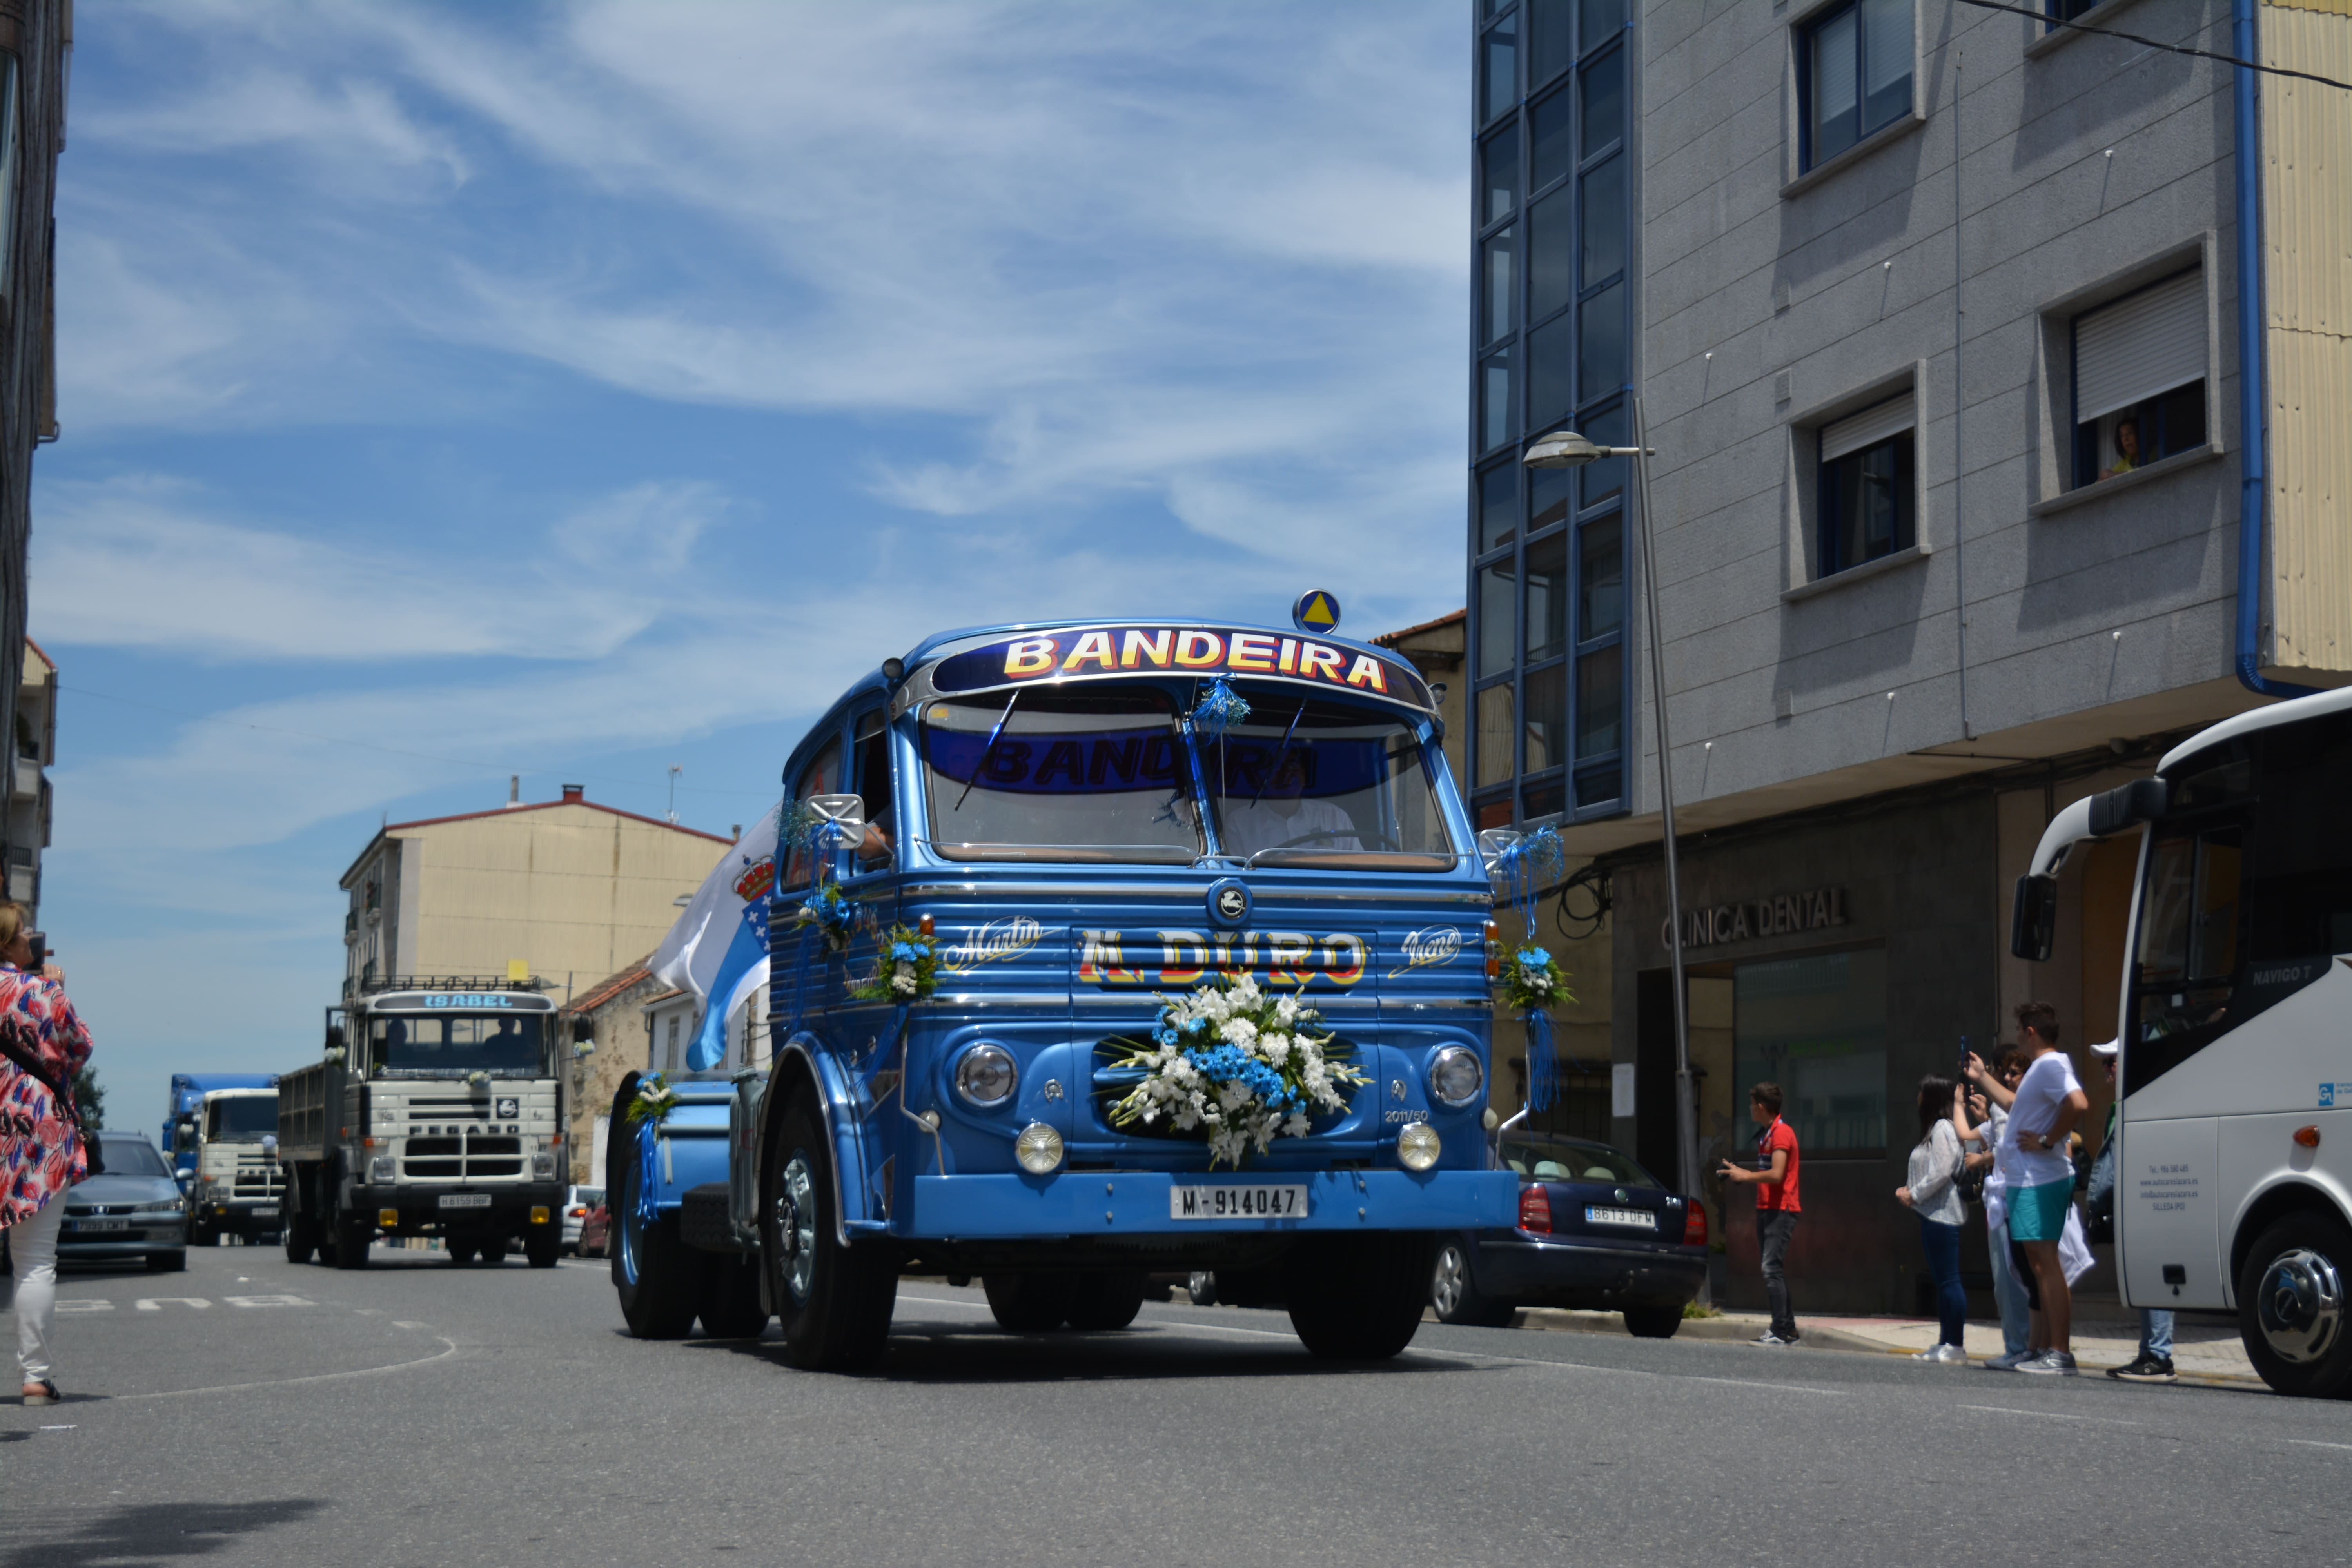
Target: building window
[(2139, 378), (1855, 75), (1817, 1026), (1498, 68), (2067, 10), (670, 1059), (1867, 493)]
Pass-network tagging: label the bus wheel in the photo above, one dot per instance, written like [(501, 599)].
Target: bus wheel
[(2292, 1310), (835, 1301), (1109, 1299), (656, 1276), (1358, 1298)]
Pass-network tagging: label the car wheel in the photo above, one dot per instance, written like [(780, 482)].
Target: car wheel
[(834, 1300), (1652, 1323), (1203, 1287), (1358, 1298), (1105, 1300), (2291, 1312), (167, 1262), (1454, 1292)]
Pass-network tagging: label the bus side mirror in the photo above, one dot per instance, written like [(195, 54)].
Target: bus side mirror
[(2128, 805), (2033, 923)]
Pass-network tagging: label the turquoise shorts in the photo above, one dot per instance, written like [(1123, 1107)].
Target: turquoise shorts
[(2039, 1214)]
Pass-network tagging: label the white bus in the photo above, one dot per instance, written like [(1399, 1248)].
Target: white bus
[(2233, 1184)]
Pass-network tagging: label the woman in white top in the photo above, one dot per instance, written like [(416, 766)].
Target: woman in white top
[(1933, 1193)]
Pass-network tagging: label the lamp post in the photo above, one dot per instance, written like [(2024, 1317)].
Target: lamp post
[(1567, 449)]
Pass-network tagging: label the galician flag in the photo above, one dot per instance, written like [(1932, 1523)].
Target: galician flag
[(719, 948)]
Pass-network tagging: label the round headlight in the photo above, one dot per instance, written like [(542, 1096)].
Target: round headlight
[(1039, 1149), (986, 1075), (1417, 1146), (1455, 1078)]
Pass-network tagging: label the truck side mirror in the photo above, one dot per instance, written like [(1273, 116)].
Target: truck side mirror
[(2033, 922), (334, 1036), (584, 1031)]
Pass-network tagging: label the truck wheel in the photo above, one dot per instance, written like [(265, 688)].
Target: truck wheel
[(2292, 1310), (299, 1243), (544, 1246), (353, 1235), (1108, 1299), (1456, 1294), (1358, 1298), (656, 1276), (495, 1252), (731, 1300), (835, 1301), (461, 1253), (1029, 1303)]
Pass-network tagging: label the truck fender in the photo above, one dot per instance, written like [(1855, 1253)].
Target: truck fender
[(616, 1147), (800, 1064)]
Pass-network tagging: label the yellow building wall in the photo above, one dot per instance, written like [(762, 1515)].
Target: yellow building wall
[(574, 892), (2306, 141)]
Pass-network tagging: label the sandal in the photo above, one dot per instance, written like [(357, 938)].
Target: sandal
[(41, 1392)]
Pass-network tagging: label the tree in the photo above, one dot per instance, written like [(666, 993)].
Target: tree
[(90, 1097)]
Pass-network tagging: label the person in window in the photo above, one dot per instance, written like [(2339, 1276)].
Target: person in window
[(876, 850), (504, 1046), (1285, 815), (2126, 447)]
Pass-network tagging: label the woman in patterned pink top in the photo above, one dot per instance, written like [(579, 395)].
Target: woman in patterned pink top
[(40, 1147)]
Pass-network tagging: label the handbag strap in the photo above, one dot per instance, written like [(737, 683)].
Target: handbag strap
[(12, 1045)]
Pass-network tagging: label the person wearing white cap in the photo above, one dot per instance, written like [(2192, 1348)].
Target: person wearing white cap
[(2154, 1362)]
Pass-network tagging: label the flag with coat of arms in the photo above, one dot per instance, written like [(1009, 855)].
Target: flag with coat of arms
[(719, 948)]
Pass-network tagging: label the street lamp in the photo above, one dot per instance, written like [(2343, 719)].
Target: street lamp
[(1567, 449)]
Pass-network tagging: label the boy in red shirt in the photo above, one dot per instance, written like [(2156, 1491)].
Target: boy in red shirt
[(1776, 1204)]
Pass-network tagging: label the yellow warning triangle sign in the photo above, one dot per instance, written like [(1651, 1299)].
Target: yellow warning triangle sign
[(1319, 611)]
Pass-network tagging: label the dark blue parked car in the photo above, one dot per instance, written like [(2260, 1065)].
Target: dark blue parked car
[(1596, 1231)]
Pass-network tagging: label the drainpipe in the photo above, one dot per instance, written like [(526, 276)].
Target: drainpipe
[(2253, 427)]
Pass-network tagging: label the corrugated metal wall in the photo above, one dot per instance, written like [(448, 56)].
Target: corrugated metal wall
[(2308, 219)]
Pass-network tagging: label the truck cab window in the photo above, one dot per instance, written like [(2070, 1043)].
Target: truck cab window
[(871, 759), (506, 1045), (1307, 782), (821, 776)]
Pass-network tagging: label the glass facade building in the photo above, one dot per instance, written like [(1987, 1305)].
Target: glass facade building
[(1552, 216)]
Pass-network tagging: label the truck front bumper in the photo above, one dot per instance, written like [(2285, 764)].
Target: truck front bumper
[(422, 1212), (1137, 1203)]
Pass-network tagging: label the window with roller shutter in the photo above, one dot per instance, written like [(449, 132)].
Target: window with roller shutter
[(2139, 378)]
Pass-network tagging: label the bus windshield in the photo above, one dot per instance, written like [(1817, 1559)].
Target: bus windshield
[(1094, 774), (1305, 782), (505, 1044), (240, 1119)]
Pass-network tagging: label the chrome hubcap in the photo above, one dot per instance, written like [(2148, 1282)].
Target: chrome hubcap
[(2299, 1306), (1452, 1278), (796, 1227)]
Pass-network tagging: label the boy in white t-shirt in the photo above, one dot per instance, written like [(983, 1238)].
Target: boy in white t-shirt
[(2039, 1178)]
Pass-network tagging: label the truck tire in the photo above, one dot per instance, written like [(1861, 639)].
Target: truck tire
[(834, 1300), (656, 1276), (1105, 1301), (1358, 1298), (542, 1246), (2292, 1308), (1454, 1292), (1029, 1303), (495, 1252), (300, 1244), (353, 1235), (731, 1300), (461, 1253)]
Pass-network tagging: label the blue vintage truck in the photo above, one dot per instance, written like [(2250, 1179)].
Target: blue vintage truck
[(1093, 950)]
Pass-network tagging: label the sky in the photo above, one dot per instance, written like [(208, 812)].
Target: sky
[(454, 391)]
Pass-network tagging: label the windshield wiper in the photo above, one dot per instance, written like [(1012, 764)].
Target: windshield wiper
[(988, 751), (1266, 780)]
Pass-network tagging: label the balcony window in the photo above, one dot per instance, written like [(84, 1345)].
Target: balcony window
[(1856, 75)]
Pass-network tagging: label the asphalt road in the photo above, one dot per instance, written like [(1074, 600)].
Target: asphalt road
[(249, 1411)]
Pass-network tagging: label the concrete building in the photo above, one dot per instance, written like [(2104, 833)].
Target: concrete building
[(36, 46), (613, 1012), (29, 806), (567, 888), (1999, 386)]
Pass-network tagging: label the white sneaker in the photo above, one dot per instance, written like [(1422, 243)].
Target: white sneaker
[(2050, 1363), (1768, 1338), (1943, 1355)]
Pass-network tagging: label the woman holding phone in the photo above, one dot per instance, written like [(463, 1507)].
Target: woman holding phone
[(1934, 1195), (41, 1152)]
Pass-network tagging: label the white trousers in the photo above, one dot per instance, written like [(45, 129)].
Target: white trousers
[(33, 1243)]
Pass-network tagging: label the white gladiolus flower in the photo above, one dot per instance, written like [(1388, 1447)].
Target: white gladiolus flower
[(1239, 1032)]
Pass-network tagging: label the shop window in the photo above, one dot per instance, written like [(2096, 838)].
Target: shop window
[(1817, 1026), (1866, 497), (1855, 75), (2139, 378)]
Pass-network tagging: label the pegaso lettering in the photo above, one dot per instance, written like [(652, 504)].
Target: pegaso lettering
[(1297, 959), (1111, 650)]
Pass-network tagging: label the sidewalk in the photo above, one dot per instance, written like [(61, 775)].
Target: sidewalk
[(2202, 1353)]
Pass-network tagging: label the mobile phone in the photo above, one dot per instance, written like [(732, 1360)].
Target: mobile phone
[(40, 946)]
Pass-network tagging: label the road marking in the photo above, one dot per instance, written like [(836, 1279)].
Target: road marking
[(2311, 1443), (85, 1304), (267, 1302), (400, 1323), (1752, 1382), (448, 1349), (155, 1303), (2048, 1415)]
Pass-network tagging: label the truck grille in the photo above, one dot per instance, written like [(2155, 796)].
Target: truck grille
[(462, 1159)]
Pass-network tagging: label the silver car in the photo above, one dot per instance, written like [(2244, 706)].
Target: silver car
[(135, 1210), (576, 1205)]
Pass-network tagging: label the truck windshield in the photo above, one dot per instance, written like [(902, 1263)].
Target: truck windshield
[(1096, 774), (503, 1043), (1303, 782), (242, 1119)]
